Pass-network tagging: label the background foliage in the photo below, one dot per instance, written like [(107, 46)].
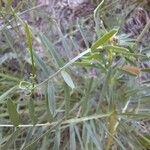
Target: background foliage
[(85, 86)]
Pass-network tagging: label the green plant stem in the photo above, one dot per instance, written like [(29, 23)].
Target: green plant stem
[(65, 122)]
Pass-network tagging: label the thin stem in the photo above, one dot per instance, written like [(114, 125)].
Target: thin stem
[(76, 120)]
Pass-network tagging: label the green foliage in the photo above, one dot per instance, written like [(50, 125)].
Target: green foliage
[(92, 98), (13, 114), (104, 39)]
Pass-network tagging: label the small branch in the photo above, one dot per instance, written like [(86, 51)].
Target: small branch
[(76, 120)]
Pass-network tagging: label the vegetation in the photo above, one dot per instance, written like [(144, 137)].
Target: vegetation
[(59, 94)]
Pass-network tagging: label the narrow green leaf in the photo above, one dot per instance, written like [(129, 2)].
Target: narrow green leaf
[(7, 93), (75, 44), (29, 40), (67, 79), (93, 126), (79, 137), (51, 98), (96, 16), (32, 111), (83, 64), (104, 39), (105, 88), (49, 112), (87, 139), (13, 114), (83, 35), (72, 137), (45, 143), (131, 61), (144, 140), (57, 138), (123, 51), (52, 50), (65, 43), (98, 9), (94, 56), (117, 48), (27, 30), (67, 99), (93, 136), (85, 103)]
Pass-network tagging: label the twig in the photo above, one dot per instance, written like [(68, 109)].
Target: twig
[(76, 120)]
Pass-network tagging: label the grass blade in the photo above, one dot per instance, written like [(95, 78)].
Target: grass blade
[(51, 98), (57, 138), (79, 137), (67, 99), (93, 137), (32, 111), (72, 137), (83, 35), (85, 103)]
